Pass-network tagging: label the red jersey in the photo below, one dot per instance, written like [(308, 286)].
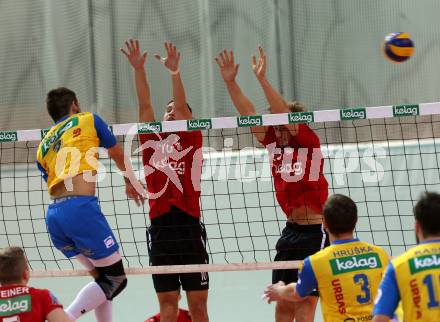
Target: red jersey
[(173, 170), (297, 170), (182, 317), (26, 304)]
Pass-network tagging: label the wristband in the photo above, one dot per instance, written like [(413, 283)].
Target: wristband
[(177, 71)]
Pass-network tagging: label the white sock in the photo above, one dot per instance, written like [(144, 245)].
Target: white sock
[(90, 297), (103, 313)]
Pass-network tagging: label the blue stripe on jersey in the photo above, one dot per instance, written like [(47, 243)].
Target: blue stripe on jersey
[(43, 172), (344, 241), (388, 294), (106, 138), (306, 280)]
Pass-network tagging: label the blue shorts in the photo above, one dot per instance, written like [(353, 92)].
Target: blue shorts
[(78, 226)]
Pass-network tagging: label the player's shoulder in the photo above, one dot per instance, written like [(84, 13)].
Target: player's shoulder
[(377, 249), (87, 114), (39, 292)]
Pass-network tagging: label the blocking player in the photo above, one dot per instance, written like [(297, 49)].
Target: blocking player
[(347, 273), (300, 186), (414, 277), (173, 167), (19, 302), (67, 158)]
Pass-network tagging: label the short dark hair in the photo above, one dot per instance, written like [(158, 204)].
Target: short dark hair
[(12, 265), (427, 213), (340, 213), (59, 101), (187, 105)]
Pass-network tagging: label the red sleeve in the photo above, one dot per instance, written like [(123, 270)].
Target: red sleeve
[(306, 137), (49, 302)]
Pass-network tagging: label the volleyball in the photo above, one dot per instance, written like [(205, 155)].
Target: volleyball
[(398, 47)]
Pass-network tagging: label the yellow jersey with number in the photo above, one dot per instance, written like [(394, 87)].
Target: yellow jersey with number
[(347, 274), (413, 278), (71, 147)]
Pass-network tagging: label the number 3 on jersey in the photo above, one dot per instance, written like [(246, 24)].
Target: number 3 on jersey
[(433, 299), (362, 280)]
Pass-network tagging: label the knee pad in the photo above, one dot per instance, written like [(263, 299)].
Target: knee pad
[(112, 279)]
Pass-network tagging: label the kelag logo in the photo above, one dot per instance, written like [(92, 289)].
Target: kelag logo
[(8, 136), (301, 117), (151, 127), (56, 135), (423, 263), (355, 263), (406, 110), (15, 305), (199, 124), (44, 132), (357, 113), (253, 120)]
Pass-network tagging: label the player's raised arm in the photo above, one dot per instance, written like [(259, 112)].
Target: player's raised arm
[(171, 62), (137, 61), (229, 71), (276, 101)]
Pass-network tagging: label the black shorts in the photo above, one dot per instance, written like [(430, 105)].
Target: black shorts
[(177, 238), (296, 243)]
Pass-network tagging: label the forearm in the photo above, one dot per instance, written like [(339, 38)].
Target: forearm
[(381, 318), (288, 293), (178, 91), (146, 113), (243, 105), (276, 101), (116, 153)]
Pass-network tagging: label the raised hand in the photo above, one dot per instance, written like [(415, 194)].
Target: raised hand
[(259, 67), (228, 68), (133, 54), (171, 61)]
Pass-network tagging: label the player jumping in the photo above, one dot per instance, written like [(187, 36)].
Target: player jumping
[(173, 168), (300, 186), (67, 157)]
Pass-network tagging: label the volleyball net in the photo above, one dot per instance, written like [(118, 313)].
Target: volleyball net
[(382, 157)]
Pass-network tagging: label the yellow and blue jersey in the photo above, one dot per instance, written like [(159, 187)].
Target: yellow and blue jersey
[(347, 274), (414, 279), (71, 146)]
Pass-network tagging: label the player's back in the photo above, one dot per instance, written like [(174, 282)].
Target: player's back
[(70, 148), (25, 304), (348, 274), (417, 274)]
